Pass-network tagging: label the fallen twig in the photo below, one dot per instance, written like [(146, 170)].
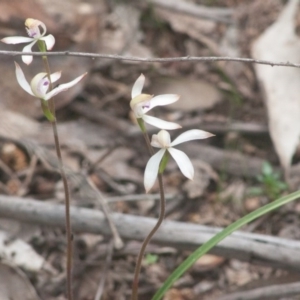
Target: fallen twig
[(139, 197), (109, 255), (267, 292), (118, 243), (219, 14), (262, 249)]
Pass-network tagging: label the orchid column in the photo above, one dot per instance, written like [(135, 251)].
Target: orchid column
[(41, 88)]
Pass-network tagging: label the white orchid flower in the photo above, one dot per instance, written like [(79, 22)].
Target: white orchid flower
[(33, 30), (40, 83), (162, 140), (142, 103)]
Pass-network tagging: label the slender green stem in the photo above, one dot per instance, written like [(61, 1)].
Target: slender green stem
[(138, 266), (66, 188), (148, 143)]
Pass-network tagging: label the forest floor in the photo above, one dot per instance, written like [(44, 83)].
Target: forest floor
[(236, 172)]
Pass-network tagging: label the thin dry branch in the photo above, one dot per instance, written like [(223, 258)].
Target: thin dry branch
[(155, 59), (218, 14), (105, 270), (257, 248), (267, 292), (118, 243)]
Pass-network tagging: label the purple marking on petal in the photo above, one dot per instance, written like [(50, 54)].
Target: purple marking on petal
[(33, 32), (146, 105), (46, 83)]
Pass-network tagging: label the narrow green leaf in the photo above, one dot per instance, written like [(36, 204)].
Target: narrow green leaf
[(187, 263)]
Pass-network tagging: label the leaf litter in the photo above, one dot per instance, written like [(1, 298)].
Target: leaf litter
[(127, 29)]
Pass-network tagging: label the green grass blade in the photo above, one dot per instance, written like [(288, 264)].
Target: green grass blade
[(187, 263)]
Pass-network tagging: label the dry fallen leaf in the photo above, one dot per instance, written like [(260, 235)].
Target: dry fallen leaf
[(208, 262), (179, 294), (15, 9), (14, 284), (194, 94), (121, 34), (239, 273), (203, 174), (281, 84), (181, 22), (19, 253), (116, 165)]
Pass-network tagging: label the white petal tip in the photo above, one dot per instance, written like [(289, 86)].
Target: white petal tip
[(147, 188), (175, 126), (27, 59), (83, 75), (6, 41), (190, 176), (138, 86), (50, 41)]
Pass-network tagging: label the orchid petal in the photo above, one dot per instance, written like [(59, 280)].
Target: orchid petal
[(22, 80), (39, 23), (27, 59), (138, 86), (151, 170), (29, 46), (183, 162), (16, 40), (39, 85), (162, 100), (160, 123), (155, 142), (63, 87), (194, 134), (49, 41), (55, 76)]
